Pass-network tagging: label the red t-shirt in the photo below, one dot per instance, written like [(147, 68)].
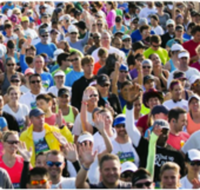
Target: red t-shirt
[(15, 171), (190, 46), (97, 66), (51, 120), (142, 122), (175, 141), (196, 65)]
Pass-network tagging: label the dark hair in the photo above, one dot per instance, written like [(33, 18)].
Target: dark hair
[(7, 25), (141, 173), (130, 59), (34, 75), (173, 83), (45, 97), (191, 25), (31, 47), (29, 59), (75, 53), (20, 43), (52, 95), (125, 83), (61, 57), (175, 112), (144, 27), (112, 3), (155, 39), (87, 59), (40, 154), (195, 29), (107, 157), (110, 62), (102, 51), (41, 171)]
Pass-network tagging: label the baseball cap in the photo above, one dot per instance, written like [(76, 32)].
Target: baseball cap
[(43, 31), (148, 77), (179, 27), (177, 47), (118, 19), (123, 67), (15, 77), (43, 6), (54, 31), (14, 19), (120, 119), (142, 21), (29, 71), (159, 109), (138, 45), (85, 137), (36, 112), (128, 166), (193, 96), (65, 17), (24, 19), (63, 91), (179, 16), (147, 61), (192, 155), (193, 78), (59, 73), (162, 123), (170, 21), (126, 36), (103, 79), (56, 53), (183, 54), (119, 32), (81, 24), (72, 28)]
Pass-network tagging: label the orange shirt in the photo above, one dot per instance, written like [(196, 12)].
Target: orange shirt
[(97, 66), (192, 126)]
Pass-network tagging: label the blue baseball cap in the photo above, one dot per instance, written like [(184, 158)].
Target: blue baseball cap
[(36, 112), (123, 67), (120, 119)]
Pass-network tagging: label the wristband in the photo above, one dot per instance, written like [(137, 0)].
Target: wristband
[(86, 169), (85, 103)]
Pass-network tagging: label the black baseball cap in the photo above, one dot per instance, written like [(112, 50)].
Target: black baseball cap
[(159, 109), (148, 77), (103, 79), (138, 45), (63, 91)]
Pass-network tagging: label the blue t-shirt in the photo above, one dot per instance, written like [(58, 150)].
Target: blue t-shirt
[(136, 36), (72, 77), (46, 48), (146, 132), (3, 123), (126, 51), (47, 80), (187, 36)]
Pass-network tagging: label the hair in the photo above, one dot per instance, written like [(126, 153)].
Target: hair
[(40, 154), (155, 39), (34, 75), (105, 110), (52, 95), (107, 157), (10, 58), (115, 38), (61, 57), (127, 82), (197, 49), (38, 56), (91, 88), (44, 97), (16, 10), (173, 83), (102, 51), (175, 112), (195, 29), (112, 3), (6, 134), (75, 53), (55, 153), (20, 43), (144, 27), (141, 172), (87, 59), (131, 59), (191, 25), (7, 25), (31, 47), (41, 171), (12, 88), (29, 59)]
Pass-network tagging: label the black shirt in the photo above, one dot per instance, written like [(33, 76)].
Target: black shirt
[(12, 123), (165, 38)]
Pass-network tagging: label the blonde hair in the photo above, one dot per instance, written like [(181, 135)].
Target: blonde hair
[(91, 88), (16, 10), (13, 88), (6, 134)]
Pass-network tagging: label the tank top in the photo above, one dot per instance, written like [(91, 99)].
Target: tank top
[(70, 117), (122, 29), (192, 126), (15, 56), (161, 82), (173, 68)]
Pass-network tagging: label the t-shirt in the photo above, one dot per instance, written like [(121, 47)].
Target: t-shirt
[(47, 80), (185, 183), (175, 140), (158, 30), (142, 122), (51, 120), (125, 152), (15, 171), (20, 115), (97, 66), (146, 12), (3, 123), (54, 90), (161, 52), (191, 125), (5, 182), (31, 32), (196, 65), (163, 19), (171, 104), (65, 183), (40, 142), (46, 48), (133, 73), (66, 71), (73, 76)]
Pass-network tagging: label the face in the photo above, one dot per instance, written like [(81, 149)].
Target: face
[(11, 65), (156, 60), (38, 121), (88, 68), (153, 21), (193, 167), (196, 86), (123, 74), (39, 182), (59, 80), (145, 33), (103, 58), (13, 95), (197, 37), (39, 62), (154, 101), (194, 105), (181, 122), (117, 43), (73, 36), (54, 35), (127, 42), (96, 38), (144, 184), (103, 88), (64, 99), (105, 40), (155, 46), (124, 91), (55, 165), (94, 97), (179, 33), (54, 104), (75, 60), (31, 52), (170, 179), (44, 37), (15, 82), (120, 129), (149, 84), (177, 92), (147, 69), (110, 171), (170, 28), (126, 176), (43, 105), (99, 24), (11, 144), (35, 83), (137, 105), (107, 118), (40, 161)]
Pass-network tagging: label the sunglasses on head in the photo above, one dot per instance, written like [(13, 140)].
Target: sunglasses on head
[(192, 163), (93, 95), (146, 67), (35, 81), (51, 164), (76, 59), (140, 185), (37, 182), (45, 36), (10, 65), (15, 81), (12, 142)]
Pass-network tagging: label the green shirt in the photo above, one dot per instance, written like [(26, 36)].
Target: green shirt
[(67, 70), (119, 12)]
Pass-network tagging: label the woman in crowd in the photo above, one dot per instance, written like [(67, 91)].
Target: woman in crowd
[(111, 14)]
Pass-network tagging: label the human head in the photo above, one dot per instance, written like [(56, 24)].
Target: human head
[(10, 45), (138, 47), (196, 33), (179, 30), (117, 42), (63, 96), (75, 59), (54, 102), (154, 20), (15, 80), (170, 175), (36, 117), (108, 117), (35, 82), (8, 29), (148, 82), (119, 125), (44, 35), (105, 39), (92, 92), (96, 38), (179, 75), (31, 51), (63, 59), (159, 112), (38, 62), (59, 78), (10, 64), (145, 31), (170, 25), (110, 5), (103, 83), (155, 60), (40, 159), (155, 41), (176, 89), (44, 102), (195, 84), (13, 93), (175, 49), (124, 89), (184, 58), (103, 54), (87, 63), (147, 67), (194, 103)]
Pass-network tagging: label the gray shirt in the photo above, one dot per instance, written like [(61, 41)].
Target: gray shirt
[(163, 19), (5, 182)]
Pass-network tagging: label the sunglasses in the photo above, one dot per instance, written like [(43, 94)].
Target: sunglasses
[(51, 164), (146, 67), (69, 60), (140, 185), (126, 174), (10, 65), (73, 33), (45, 36), (170, 26), (93, 95), (128, 40), (120, 126), (12, 142), (155, 46), (37, 182), (15, 81), (123, 71), (17, 29), (135, 22), (99, 24), (96, 37), (105, 85), (192, 163), (76, 59), (35, 81)]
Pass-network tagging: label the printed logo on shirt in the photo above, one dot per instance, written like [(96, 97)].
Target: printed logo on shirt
[(126, 156), (45, 84), (160, 159), (41, 146), (33, 105), (20, 123)]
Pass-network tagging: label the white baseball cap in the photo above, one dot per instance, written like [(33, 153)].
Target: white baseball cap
[(183, 54), (72, 28), (56, 53), (65, 17), (85, 137), (128, 166), (170, 21), (59, 73), (193, 154), (193, 78), (177, 47)]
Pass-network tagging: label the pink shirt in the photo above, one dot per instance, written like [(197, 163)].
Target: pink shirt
[(51, 120), (175, 141), (110, 18)]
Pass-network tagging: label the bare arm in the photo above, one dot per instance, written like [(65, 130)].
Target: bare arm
[(115, 79), (167, 66)]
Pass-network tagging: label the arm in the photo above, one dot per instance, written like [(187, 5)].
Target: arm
[(115, 79), (23, 63), (7, 184), (158, 84), (167, 66), (85, 39), (24, 175)]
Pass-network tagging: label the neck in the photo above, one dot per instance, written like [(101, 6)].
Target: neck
[(183, 67), (107, 46), (13, 104), (56, 180), (137, 115), (105, 94), (60, 86), (10, 72), (63, 106), (97, 44), (37, 128), (173, 131), (88, 76), (102, 63), (7, 156), (195, 115), (63, 67), (122, 139), (48, 113), (90, 108), (1, 112), (39, 70), (78, 69), (35, 92)]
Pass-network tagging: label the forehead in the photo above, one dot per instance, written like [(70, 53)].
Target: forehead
[(13, 137), (110, 164), (55, 158), (38, 177), (35, 78)]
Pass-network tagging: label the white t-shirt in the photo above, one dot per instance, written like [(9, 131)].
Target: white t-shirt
[(145, 12), (158, 30), (65, 183), (125, 152), (171, 104), (20, 115), (77, 129), (24, 89), (31, 32), (185, 183), (71, 169)]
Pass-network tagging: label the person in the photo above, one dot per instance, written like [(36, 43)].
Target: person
[(81, 84), (24, 88), (192, 159), (195, 81), (197, 64), (155, 42), (122, 146), (108, 165), (97, 42), (16, 109), (177, 118), (168, 171), (111, 14), (5, 182), (118, 26), (41, 136), (176, 100), (38, 178), (155, 25), (69, 112), (11, 161)]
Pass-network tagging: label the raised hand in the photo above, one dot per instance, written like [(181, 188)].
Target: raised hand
[(195, 183), (157, 130), (85, 97), (70, 152), (135, 91), (100, 122), (59, 119), (62, 140), (26, 154)]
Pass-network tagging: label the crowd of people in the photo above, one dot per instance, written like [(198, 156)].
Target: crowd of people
[(99, 95)]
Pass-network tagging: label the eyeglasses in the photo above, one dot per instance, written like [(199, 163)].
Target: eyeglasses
[(146, 67), (99, 24), (12, 142), (192, 163), (93, 95), (123, 71), (41, 182), (95, 37), (76, 59), (35, 81), (15, 81), (120, 126), (73, 33), (105, 85), (51, 164), (170, 26), (45, 36), (17, 29), (140, 185)]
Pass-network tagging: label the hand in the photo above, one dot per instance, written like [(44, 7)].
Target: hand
[(196, 183), (158, 71), (69, 125), (157, 130), (59, 119), (26, 44), (62, 140), (139, 67), (87, 155), (117, 66), (134, 92), (100, 123), (70, 152), (26, 154), (86, 97)]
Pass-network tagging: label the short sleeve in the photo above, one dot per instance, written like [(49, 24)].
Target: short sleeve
[(3, 122)]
